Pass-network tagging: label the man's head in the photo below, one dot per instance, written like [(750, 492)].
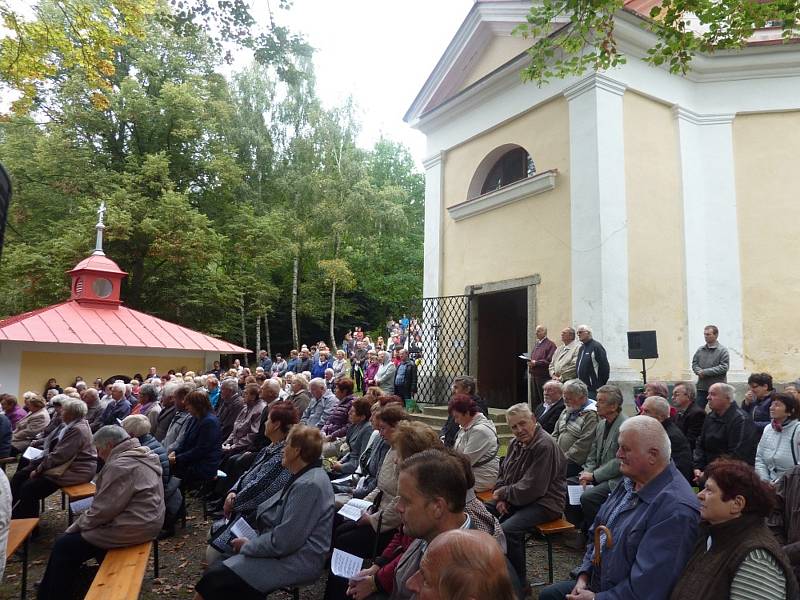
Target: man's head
[(431, 490), (148, 393), (567, 335), (304, 353), (270, 390), (317, 387), (684, 394), (584, 333), (228, 388), (464, 384), (522, 423), (553, 391), (575, 394), (720, 396), (403, 353), (262, 354), (656, 407), (212, 383), (760, 384), (462, 564), (609, 402), (644, 449), (118, 390), (181, 391), (541, 332), (107, 438), (711, 333), (152, 372), (90, 397)]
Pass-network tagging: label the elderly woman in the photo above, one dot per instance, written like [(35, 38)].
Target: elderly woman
[(384, 378), (299, 395), (265, 477), (148, 404), (477, 438), (198, 455), (339, 365), (69, 459), (294, 531), (358, 537), (336, 425), (575, 429), (372, 368), (779, 448), (12, 409), (31, 425), (358, 434), (246, 426), (736, 555)]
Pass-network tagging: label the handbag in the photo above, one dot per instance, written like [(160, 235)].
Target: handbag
[(58, 470)]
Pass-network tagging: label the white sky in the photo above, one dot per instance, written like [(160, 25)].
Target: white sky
[(378, 51)]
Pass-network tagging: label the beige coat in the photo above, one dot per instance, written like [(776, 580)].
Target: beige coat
[(28, 428), (128, 507), (387, 483), (75, 446), (564, 362)]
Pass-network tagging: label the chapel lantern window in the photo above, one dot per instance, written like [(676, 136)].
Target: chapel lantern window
[(512, 166)]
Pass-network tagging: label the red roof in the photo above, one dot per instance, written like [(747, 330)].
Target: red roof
[(98, 262), (74, 323)]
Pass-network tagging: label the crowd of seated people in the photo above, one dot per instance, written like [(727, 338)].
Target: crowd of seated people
[(446, 516)]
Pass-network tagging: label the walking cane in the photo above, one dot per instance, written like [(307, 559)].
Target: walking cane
[(600, 529)]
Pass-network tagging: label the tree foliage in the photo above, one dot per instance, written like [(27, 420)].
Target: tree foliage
[(573, 36)]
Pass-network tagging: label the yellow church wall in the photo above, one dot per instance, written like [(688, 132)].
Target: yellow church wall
[(656, 284), (37, 367), (521, 239), (497, 52), (766, 147)]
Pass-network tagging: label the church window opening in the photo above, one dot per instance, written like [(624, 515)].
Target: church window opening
[(511, 167)]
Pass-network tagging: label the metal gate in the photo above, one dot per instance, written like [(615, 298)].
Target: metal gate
[(440, 344)]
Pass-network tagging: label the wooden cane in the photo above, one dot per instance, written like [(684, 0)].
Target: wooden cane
[(597, 548)]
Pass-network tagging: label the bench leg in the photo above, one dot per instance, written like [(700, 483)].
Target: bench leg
[(24, 587), (63, 500), (155, 558), (549, 559)]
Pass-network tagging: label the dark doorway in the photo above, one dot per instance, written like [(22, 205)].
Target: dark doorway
[(502, 337)]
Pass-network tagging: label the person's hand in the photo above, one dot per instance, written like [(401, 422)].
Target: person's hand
[(749, 397), (582, 595), (34, 474), (337, 466), (360, 588), (227, 507), (698, 475), (585, 478), (699, 373), (364, 518), (171, 457), (581, 585), (502, 507), (237, 543)]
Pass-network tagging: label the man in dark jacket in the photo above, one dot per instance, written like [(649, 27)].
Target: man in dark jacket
[(548, 412), (593, 368), (690, 416), (405, 379), (539, 365), (726, 430), (658, 408)]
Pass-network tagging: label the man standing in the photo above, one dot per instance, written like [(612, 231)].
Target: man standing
[(539, 367), (405, 380), (304, 361), (710, 364), (690, 416), (726, 430), (653, 517), (265, 362), (531, 487), (563, 366), (550, 410), (592, 364)]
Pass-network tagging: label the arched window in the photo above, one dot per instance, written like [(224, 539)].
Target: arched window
[(514, 165)]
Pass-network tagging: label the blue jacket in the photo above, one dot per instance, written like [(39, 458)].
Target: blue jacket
[(116, 410), (652, 540), (318, 370), (201, 449)]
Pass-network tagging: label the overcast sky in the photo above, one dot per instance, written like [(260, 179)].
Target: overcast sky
[(381, 52)]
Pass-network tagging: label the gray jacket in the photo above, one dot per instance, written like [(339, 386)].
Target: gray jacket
[(318, 410), (295, 527), (177, 430), (714, 362), (75, 448)]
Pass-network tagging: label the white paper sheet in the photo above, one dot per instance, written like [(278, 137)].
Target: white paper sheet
[(242, 529), (344, 479), (575, 492), (81, 505), (32, 453), (353, 509), (221, 474), (344, 564)]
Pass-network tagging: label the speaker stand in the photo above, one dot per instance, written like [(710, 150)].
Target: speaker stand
[(644, 373)]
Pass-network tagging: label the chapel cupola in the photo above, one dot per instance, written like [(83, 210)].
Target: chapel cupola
[(97, 279)]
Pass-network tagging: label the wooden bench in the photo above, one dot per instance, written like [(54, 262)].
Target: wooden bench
[(18, 535), (547, 530), (70, 493), (121, 573), (485, 496)]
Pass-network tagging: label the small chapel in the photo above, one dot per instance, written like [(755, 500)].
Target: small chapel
[(92, 334), (630, 200)]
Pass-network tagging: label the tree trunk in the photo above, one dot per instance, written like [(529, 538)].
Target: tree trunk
[(244, 329), (258, 336), (295, 272), (333, 296), (266, 335)]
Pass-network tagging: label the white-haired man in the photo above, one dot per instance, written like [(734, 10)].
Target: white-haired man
[(321, 405), (653, 516), (592, 364), (117, 409)]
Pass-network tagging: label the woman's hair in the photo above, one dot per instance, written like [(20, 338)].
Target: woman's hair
[(299, 378), (199, 401), (373, 393), (659, 388), (760, 379), (284, 414), (36, 400), (737, 478), (346, 385), (251, 389), (463, 404), (362, 407), (136, 425), (387, 399), (413, 437), (74, 407), (306, 439), (467, 382), (392, 415), (790, 402)]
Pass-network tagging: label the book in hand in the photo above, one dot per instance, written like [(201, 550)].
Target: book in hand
[(32, 453), (354, 508), (225, 531)]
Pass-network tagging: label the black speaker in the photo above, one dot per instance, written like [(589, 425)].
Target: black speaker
[(642, 344)]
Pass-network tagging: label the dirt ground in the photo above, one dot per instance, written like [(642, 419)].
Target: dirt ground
[(181, 559)]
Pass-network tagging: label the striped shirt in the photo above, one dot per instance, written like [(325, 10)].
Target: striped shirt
[(759, 577)]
